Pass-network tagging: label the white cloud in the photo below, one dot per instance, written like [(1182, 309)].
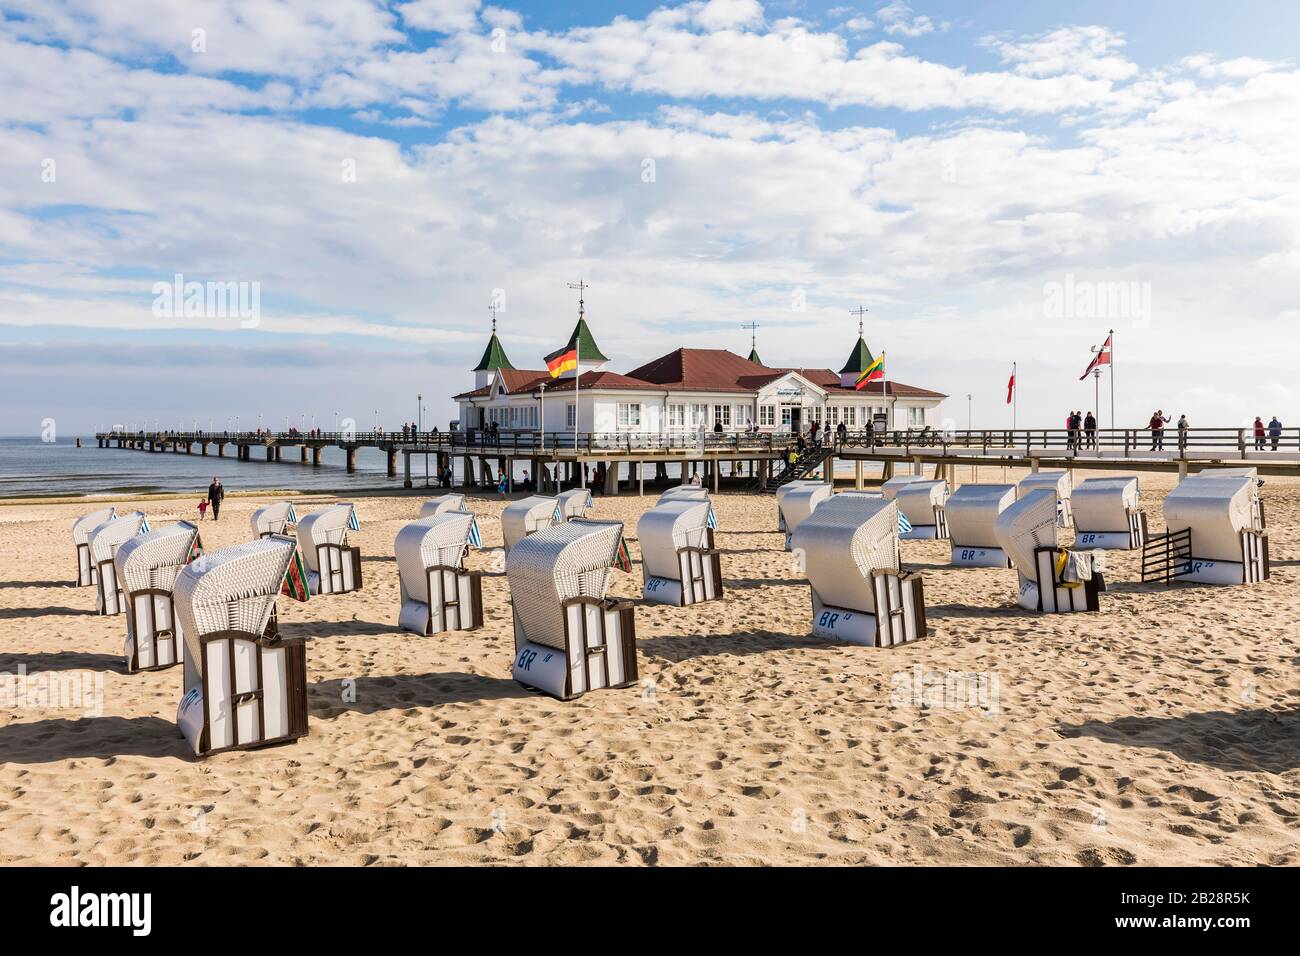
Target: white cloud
[(444, 16), (1082, 51), (899, 18)]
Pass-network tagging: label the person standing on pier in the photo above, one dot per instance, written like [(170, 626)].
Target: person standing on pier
[(1259, 433), (1182, 433), (216, 494), (1275, 431), (1158, 423), (1090, 430)]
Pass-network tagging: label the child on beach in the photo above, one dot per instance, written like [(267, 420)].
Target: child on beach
[(203, 509)]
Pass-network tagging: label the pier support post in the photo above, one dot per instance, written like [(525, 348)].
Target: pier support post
[(830, 470), (717, 472), (392, 462), (640, 478), (270, 452), (352, 458), (315, 456), (302, 454), (467, 472), (406, 481), (1182, 469), (857, 474)]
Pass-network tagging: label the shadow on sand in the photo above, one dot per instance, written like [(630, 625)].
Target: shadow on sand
[(327, 699), (43, 741), (1250, 740)]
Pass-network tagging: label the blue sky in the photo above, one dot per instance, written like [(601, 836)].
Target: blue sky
[(380, 170)]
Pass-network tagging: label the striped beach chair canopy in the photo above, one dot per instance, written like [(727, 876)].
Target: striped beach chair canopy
[(668, 527), (1216, 509), (1027, 523), (1103, 504), (439, 540)]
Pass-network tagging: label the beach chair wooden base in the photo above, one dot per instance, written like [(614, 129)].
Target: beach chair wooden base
[(1051, 595), (599, 651), (1253, 567), (455, 603), (340, 569), (253, 692), (898, 618), (111, 599), (87, 575), (699, 578), (153, 640)]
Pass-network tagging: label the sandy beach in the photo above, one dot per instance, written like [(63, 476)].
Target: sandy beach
[(1163, 730)]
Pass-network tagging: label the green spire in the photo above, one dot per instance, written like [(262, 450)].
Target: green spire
[(753, 356), (586, 345), (494, 356), (860, 358)]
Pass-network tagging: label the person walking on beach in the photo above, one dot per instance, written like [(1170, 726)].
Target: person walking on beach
[(504, 484), (1275, 431), (215, 495), (1182, 433), (203, 509), (1158, 423), (1259, 433)]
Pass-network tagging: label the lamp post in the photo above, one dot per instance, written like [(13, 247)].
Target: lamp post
[(419, 427)]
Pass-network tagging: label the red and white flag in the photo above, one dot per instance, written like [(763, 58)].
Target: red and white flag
[(1101, 358), (1011, 384)]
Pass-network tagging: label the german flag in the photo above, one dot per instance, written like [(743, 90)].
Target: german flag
[(874, 371), (563, 360)]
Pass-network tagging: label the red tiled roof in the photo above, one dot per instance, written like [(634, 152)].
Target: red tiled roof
[(705, 370), (596, 380), (515, 380)]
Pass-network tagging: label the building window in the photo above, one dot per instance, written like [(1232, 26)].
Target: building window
[(629, 415), (850, 416), (699, 415), (916, 417), (787, 416), (570, 415), (722, 415), (676, 416), (767, 415)]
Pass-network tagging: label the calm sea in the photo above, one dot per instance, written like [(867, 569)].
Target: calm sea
[(30, 467)]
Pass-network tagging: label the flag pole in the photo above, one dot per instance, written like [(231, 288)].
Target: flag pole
[(1112, 384), (1015, 395)]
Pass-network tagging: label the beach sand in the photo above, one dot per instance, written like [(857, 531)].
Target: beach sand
[(1163, 730)]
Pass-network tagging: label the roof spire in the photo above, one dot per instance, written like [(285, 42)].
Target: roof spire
[(494, 356), (860, 358), (753, 342), (860, 311)]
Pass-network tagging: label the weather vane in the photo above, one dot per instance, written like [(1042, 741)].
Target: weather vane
[(860, 311)]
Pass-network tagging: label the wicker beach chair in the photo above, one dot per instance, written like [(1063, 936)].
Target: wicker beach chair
[(570, 638), (278, 518), (1222, 519), (1057, 482), (859, 593), (679, 562), (781, 492), (923, 504), (574, 503), (528, 516), (81, 528), (798, 503), (245, 685), (438, 594), (333, 565), (890, 488), (1052, 579), (972, 513), (453, 502), (147, 566), (103, 543), (1106, 514)]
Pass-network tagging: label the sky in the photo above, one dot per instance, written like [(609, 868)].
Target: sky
[(995, 183)]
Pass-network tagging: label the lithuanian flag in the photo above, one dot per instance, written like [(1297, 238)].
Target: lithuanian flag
[(874, 371), (563, 360), (295, 579)]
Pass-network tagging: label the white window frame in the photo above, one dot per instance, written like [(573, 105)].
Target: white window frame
[(570, 415), (766, 415), (722, 415), (677, 415), (625, 422)]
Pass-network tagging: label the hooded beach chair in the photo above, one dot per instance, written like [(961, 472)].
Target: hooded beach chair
[(1257, 500), (890, 488), (147, 566), (798, 503), (574, 503), (1058, 482), (528, 516), (680, 564), (859, 593), (781, 492), (333, 565), (569, 637), (245, 685), (972, 512), (81, 528), (438, 594), (103, 543), (1106, 514), (922, 503), (1216, 521), (278, 518), (684, 493), (453, 502), (1053, 579)]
